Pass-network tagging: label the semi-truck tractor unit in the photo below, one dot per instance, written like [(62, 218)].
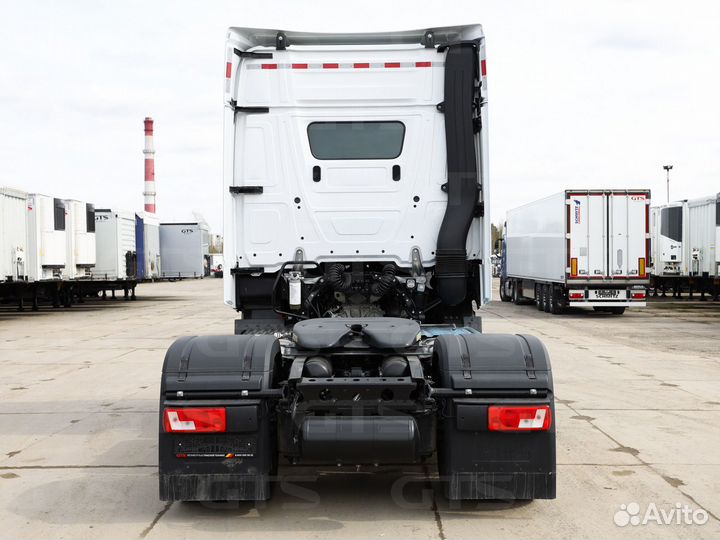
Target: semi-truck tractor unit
[(579, 248), (357, 248)]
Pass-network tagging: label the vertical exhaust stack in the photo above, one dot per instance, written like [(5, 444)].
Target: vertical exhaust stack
[(149, 152)]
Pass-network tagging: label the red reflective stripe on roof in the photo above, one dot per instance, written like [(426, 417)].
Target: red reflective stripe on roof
[(299, 66), (392, 64), (331, 66), (268, 66), (361, 65), (483, 68), (423, 64), (228, 70)]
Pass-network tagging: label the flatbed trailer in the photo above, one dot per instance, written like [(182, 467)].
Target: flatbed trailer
[(357, 249)]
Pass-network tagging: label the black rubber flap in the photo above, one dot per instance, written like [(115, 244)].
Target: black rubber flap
[(382, 333)]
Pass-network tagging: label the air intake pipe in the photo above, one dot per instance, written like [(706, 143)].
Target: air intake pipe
[(462, 184)]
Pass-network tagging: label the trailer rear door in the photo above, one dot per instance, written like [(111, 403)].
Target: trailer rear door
[(587, 235), (628, 233), (608, 234)]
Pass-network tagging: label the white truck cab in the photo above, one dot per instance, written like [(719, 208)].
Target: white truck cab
[(336, 152)]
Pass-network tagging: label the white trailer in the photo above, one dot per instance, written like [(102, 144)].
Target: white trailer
[(579, 248), (666, 223), (147, 240), (13, 234), (80, 239), (184, 250), (47, 245), (115, 245), (685, 240)]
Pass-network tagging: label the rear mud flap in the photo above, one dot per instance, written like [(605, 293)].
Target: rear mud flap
[(490, 485), (214, 487)]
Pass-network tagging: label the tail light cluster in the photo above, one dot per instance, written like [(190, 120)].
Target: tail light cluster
[(195, 420), (532, 418), (500, 418)]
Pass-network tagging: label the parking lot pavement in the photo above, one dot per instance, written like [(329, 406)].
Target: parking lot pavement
[(638, 403)]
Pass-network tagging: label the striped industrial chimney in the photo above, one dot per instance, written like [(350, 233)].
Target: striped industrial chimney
[(149, 152)]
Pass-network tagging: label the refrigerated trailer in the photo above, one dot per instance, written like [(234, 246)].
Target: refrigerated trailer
[(579, 248), (685, 240), (47, 244), (13, 234), (357, 246), (80, 239)]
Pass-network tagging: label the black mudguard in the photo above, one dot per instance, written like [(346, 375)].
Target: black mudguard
[(216, 371), (476, 463)]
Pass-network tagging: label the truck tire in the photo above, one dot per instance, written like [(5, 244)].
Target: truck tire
[(616, 310), (556, 303), (547, 294), (538, 297), (504, 296), (515, 293)]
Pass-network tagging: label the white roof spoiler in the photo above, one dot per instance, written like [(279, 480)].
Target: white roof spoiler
[(248, 38)]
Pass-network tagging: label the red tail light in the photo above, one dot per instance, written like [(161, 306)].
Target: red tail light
[(195, 420), (533, 418), (638, 295)]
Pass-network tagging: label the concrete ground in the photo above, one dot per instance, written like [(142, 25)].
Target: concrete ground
[(637, 416)]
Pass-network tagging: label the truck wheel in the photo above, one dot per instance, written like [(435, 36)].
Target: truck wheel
[(503, 291), (616, 310), (556, 303), (547, 293), (515, 293), (539, 302)]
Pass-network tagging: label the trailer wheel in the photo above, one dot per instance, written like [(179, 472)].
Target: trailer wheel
[(538, 297), (547, 294), (515, 293), (504, 297), (556, 304)]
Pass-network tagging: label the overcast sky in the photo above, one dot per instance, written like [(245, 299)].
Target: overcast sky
[(581, 94)]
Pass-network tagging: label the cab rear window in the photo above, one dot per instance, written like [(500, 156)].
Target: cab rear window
[(356, 140)]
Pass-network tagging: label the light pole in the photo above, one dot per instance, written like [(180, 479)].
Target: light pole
[(667, 170)]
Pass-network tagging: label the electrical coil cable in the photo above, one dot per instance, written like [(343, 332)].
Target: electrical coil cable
[(337, 279), (385, 281)]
